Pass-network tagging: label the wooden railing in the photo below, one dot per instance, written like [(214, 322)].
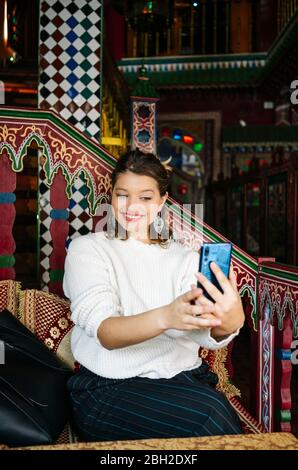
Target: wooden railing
[(285, 11), (196, 28), (115, 108)]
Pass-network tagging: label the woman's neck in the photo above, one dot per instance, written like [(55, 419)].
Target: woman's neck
[(139, 238)]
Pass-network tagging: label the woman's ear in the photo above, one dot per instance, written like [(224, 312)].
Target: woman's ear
[(164, 198)]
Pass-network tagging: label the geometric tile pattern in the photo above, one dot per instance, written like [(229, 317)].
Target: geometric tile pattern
[(185, 64), (80, 221), (143, 125), (70, 61), (45, 239)]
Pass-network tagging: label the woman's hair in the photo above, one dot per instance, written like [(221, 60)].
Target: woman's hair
[(146, 164)]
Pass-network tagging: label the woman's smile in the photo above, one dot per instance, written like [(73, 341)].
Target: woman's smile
[(132, 218)]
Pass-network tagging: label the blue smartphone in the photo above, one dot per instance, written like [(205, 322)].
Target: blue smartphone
[(221, 254)]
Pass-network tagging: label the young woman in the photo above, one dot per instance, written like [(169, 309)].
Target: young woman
[(140, 320)]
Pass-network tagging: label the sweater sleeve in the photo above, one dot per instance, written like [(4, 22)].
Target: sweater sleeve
[(202, 337), (191, 267), (87, 284)]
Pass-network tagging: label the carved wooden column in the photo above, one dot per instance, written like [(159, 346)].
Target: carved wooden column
[(282, 378), (240, 19), (227, 32), (203, 26), (59, 232), (215, 22), (70, 67), (266, 24)]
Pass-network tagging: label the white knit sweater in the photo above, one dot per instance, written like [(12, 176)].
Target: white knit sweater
[(113, 277)]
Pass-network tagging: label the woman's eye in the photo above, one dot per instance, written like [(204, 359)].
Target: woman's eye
[(144, 198)]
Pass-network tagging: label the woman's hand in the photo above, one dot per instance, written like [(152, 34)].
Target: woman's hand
[(227, 305), (181, 315)]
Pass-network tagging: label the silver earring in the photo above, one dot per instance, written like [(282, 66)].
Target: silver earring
[(111, 223), (158, 223)]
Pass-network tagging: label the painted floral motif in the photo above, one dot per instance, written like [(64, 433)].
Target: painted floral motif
[(54, 332), (49, 343), (63, 323), (58, 150)]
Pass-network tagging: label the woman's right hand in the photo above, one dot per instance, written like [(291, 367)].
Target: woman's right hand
[(182, 315)]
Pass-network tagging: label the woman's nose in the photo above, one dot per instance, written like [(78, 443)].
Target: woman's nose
[(134, 206)]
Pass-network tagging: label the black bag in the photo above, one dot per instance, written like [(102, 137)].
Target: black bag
[(34, 403)]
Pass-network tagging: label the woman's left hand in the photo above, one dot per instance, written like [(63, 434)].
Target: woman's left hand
[(227, 305)]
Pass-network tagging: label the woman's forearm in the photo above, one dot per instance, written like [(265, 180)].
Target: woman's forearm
[(119, 332)]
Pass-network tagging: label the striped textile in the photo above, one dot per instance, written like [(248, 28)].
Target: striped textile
[(138, 407)]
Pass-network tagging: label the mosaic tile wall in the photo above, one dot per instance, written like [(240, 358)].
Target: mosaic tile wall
[(80, 222), (69, 83), (70, 61), (45, 239), (144, 126)]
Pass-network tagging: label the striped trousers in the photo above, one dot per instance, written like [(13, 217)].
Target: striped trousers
[(185, 405)]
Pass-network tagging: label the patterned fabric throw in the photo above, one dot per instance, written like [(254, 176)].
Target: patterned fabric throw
[(48, 317), (9, 295)]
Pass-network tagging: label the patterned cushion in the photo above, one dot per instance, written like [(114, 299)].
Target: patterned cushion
[(67, 436), (48, 317), (249, 424), (9, 294), (217, 362)]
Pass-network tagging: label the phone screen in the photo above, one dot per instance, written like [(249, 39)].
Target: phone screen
[(221, 254)]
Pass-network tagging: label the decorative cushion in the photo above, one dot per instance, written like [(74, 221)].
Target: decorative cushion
[(48, 317), (67, 436), (9, 295), (249, 424), (217, 363)]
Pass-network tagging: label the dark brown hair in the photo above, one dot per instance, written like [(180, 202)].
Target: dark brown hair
[(146, 164)]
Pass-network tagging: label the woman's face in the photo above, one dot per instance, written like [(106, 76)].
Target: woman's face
[(136, 200)]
